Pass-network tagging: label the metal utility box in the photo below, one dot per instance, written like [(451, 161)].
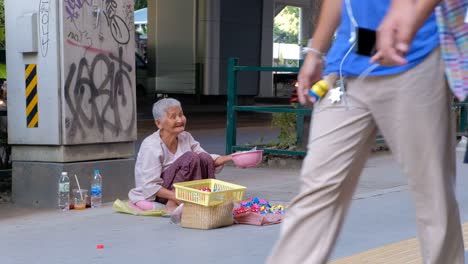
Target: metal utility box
[(71, 72)]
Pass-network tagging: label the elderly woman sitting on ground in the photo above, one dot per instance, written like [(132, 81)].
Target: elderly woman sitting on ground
[(168, 156)]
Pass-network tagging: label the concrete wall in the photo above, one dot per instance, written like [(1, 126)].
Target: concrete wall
[(71, 94), (173, 36), (35, 183), (185, 34), (266, 78), (210, 22), (84, 88), (32, 38), (98, 57), (240, 36)]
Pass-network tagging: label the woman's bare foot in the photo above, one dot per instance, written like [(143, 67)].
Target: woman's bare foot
[(171, 206)]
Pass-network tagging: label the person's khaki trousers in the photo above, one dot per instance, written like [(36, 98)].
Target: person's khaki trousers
[(413, 112)]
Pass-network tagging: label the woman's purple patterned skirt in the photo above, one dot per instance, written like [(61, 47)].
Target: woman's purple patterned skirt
[(188, 167)]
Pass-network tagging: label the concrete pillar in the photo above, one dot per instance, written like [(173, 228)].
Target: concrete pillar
[(172, 34), (184, 35), (266, 78), (211, 23), (308, 20), (305, 25), (241, 37), (71, 95)]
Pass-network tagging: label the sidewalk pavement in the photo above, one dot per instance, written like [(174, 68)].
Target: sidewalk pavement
[(381, 213)]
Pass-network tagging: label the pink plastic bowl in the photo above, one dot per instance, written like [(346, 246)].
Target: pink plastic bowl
[(247, 159)]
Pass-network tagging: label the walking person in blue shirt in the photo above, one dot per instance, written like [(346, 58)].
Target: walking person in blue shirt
[(403, 20), (409, 104)]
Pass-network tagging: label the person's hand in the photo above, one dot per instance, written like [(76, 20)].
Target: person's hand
[(221, 160), (174, 199), (178, 202), (396, 33), (310, 73)]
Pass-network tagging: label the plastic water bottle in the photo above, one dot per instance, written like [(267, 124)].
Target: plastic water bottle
[(64, 192), (96, 190)]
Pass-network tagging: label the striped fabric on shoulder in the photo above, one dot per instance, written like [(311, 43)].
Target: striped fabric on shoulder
[(454, 43)]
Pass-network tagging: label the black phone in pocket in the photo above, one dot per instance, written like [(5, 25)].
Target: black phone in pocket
[(365, 41)]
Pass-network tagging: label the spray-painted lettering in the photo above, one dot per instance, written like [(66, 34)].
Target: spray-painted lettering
[(72, 8), (119, 29), (44, 19), (100, 95), (129, 15), (74, 36)]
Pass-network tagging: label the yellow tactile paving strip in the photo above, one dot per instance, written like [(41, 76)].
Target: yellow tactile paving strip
[(406, 251)]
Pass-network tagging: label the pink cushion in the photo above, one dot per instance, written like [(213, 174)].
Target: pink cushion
[(145, 205)]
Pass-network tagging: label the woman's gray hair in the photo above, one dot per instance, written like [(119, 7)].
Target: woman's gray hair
[(161, 106)]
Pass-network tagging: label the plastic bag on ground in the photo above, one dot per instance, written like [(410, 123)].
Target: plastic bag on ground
[(127, 208), (176, 216)]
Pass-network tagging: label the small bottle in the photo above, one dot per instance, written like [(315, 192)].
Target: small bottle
[(64, 192), (319, 89), (96, 190)]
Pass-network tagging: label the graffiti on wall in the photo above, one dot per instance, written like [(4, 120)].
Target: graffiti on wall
[(83, 90), (119, 29), (44, 19), (99, 71), (74, 7)]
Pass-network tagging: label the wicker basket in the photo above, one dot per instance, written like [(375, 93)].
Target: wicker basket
[(204, 217), (225, 191)]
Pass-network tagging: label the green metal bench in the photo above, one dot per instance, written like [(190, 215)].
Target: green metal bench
[(233, 108)]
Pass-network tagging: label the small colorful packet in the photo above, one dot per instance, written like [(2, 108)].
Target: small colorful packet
[(258, 212)]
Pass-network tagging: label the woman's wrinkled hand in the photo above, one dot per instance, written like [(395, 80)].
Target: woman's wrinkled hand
[(221, 160)]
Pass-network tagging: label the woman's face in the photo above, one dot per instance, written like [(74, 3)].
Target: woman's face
[(173, 122)]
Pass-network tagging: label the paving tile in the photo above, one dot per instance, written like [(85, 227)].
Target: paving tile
[(406, 251)]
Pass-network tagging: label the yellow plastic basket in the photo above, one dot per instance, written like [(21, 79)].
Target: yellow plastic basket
[(220, 192)]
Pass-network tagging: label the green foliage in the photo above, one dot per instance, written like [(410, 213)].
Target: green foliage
[(139, 4), (286, 27), (286, 122)]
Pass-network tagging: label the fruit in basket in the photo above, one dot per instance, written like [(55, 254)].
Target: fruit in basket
[(205, 189), (247, 159)]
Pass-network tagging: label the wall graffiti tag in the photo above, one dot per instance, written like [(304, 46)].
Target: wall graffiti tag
[(44, 19), (129, 15), (119, 29), (83, 89), (99, 92), (73, 7), (74, 36)]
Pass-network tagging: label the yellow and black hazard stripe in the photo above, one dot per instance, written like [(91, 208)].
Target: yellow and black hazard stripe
[(32, 112)]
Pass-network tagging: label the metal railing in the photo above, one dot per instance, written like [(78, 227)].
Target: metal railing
[(233, 108)]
